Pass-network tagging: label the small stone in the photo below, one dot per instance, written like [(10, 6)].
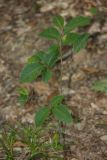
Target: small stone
[(67, 91), (80, 126), (47, 8), (94, 28), (29, 118), (103, 138), (64, 78), (17, 149), (105, 112), (94, 106)]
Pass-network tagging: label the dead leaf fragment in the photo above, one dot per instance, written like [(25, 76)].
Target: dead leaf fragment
[(90, 70), (19, 144)]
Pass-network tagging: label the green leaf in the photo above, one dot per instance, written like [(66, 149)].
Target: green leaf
[(52, 55), (41, 116), (47, 58), (36, 57), (24, 94), (55, 140), (30, 72), (23, 99), (71, 38), (100, 86), (56, 100), (62, 114), (53, 48), (94, 10), (47, 75), (41, 56), (58, 21), (78, 21), (33, 59), (81, 42), (50, 33), (23, 91)]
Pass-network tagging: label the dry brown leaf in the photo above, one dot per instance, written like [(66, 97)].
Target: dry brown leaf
[(54, 93), (41, 87), (90, 70), (19, 144)]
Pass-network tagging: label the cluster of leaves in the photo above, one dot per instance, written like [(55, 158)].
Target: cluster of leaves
[(41, 64), (33, 139), (7, 141), (56, 108)]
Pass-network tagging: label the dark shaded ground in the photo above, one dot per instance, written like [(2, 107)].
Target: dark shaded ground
[(20, 23)]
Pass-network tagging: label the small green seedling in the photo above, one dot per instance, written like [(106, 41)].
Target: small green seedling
[(24, 95), (100, 86), (41, 64)]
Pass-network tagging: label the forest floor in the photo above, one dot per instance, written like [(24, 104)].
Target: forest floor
[(20, 23)]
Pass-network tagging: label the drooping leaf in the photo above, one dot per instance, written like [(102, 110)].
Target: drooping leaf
[(77, 21), (71, 38), (48, 58), (50, 33), (58, 21), (52, 55), (62, 114), (78, 41), (56, 100), (42, 115), (30, 72), (46, 75), (100, 86), (81, 42)]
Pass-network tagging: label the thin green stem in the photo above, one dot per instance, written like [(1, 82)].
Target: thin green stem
[(61, 125), (61, 69)]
